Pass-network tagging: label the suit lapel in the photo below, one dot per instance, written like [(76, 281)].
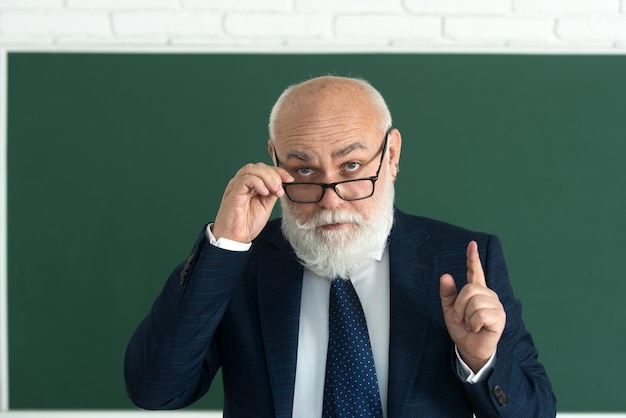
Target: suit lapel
[(279, 293), (412, 292)]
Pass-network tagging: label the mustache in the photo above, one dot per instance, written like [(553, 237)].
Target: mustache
[(328, 217)]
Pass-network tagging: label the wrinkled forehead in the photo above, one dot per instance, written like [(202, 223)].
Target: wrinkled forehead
[(332, 120), (332, 145)]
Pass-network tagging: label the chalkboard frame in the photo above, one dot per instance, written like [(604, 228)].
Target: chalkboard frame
[(470, 219)]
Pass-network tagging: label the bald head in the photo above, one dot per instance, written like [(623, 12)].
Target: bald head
[(326, 98)]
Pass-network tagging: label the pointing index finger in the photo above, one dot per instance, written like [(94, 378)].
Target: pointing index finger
[(475, 273)]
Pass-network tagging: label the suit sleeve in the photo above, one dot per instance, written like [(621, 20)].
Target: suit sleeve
[(518, 386), (173, 354)]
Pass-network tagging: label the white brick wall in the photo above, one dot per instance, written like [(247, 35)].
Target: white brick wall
[(459, 8), (500, 28), (290, 25), (569, 25), (388, 27)]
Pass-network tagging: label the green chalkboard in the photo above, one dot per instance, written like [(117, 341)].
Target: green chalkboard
[(115, 162)]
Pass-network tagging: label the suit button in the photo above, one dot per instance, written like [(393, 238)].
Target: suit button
[(185, 272), (501, 397)]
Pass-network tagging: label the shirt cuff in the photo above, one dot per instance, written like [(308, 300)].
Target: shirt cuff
[(467, 374), (225, 243)]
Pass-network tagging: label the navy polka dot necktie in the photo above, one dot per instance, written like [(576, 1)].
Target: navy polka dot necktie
[(351, 386)]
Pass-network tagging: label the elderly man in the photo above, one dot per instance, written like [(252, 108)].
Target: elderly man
[(345, 306)]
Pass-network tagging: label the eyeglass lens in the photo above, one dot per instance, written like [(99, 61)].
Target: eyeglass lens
[(348, 190)]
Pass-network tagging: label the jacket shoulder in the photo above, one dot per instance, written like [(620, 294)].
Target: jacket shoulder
[(433, 229)]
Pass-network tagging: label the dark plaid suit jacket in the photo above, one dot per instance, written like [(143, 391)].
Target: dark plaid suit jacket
[(240, 311)]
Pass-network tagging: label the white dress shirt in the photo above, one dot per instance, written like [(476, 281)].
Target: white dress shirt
[(372, 287)]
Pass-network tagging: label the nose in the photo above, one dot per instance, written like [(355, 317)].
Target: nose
[(330, 199)]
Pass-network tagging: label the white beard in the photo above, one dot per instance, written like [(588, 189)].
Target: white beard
[(342, 253)]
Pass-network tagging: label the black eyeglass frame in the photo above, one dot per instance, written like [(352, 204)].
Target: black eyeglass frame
[(333, 186)]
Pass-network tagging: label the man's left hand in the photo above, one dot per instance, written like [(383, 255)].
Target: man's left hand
[(475, 318)]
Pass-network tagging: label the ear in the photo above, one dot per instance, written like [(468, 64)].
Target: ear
[(270, 150), (395, 145)]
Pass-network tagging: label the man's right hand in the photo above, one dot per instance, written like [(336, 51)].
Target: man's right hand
[(248, 201)]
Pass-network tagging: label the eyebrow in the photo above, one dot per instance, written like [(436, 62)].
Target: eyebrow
[(302, 155), (348, 149)]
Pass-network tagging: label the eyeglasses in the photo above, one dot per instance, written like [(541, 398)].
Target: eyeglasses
[(349, 190)]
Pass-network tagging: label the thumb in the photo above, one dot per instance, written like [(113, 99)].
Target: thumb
[(447, 291)]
